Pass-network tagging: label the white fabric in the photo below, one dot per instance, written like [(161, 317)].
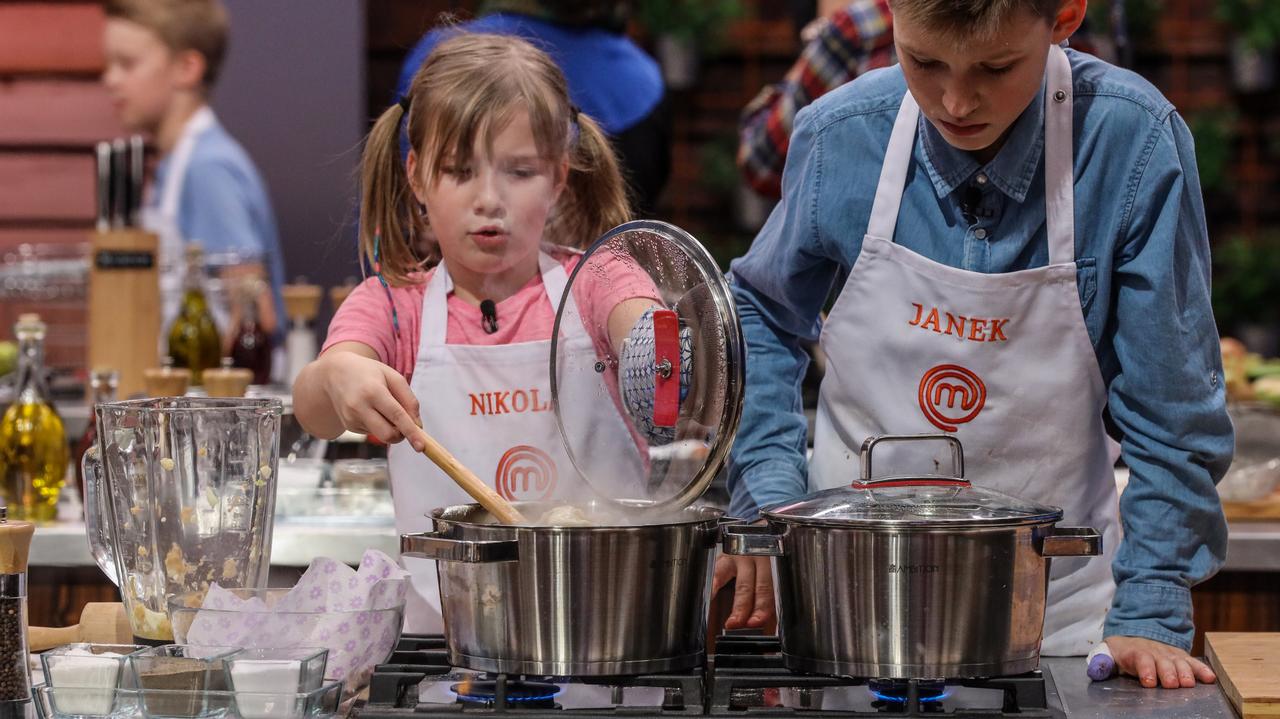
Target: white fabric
[(1005, 364), (161, 217), (521, 450)]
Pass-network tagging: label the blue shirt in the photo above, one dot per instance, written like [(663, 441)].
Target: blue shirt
[(1142, 272), (610, 78), (224, 206)]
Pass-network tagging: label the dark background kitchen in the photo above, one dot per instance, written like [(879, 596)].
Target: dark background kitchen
[(304, 78)]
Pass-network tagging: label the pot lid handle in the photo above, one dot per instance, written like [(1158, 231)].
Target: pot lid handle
[(957, 463)]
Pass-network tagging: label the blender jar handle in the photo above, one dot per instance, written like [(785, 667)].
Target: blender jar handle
[(95, 513)]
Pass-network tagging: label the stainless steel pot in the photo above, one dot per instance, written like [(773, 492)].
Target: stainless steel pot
[(582, 601), (911, 577)]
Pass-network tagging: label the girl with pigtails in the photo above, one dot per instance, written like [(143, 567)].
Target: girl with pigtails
[(471, 238)]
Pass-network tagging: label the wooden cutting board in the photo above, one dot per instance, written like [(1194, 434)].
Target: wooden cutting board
[(1248, 667)]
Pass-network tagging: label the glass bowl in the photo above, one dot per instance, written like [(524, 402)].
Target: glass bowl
[(357, 640)]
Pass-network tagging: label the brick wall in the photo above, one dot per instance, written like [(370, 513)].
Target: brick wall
[(52, 111)]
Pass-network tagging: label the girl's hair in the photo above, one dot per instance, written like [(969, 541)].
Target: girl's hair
[(471, 86)]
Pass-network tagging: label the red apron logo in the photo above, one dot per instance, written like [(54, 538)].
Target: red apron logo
[(951, 395), (525, 473)]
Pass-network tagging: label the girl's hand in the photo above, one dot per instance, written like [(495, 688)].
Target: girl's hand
[(1154, 663), (368, 397), (752, 592)]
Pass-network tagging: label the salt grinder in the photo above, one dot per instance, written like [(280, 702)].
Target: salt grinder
[(15, 676)]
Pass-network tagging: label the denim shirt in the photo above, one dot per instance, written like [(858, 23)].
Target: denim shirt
[(1142, 256)]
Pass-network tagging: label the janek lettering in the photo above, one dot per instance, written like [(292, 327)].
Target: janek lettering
[(971, 329)]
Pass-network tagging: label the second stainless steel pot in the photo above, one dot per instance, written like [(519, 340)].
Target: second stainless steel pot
[(917, 577), (582, 601)]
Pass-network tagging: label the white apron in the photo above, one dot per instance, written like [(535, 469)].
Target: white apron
[(491, 407), (1003, 361), (161, 217)]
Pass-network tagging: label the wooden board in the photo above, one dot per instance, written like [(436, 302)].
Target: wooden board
[(1248, 667), (1259, 509)]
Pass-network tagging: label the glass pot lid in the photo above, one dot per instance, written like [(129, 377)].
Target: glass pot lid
[(647, 366), (909, 501)]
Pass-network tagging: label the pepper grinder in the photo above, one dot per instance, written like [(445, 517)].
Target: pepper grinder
[(15, 676)]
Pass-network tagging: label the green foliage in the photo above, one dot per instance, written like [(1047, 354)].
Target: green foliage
[(1256, 21), (1245, 286), (699, 21), (1214, 133)]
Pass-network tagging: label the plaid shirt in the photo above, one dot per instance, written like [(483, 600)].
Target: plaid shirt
[(853, 40)]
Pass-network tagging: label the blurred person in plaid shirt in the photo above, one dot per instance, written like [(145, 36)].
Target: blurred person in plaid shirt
[(845, 40)]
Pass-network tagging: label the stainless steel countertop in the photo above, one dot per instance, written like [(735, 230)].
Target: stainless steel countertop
[(1081, 698), (292, 545)]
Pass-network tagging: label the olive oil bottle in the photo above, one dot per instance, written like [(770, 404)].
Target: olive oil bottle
[(193, 337), (33, 445)]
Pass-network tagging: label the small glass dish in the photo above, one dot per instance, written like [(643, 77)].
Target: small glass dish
[(175, 679), (86, 665), (134, 703), (266, 680)]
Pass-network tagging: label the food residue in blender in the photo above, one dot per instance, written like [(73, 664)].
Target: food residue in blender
[(167, 463), (175, 565), (229, 568), (151, 625), (188, 514)]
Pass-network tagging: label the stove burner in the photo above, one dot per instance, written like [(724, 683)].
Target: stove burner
[(489, 692), (898, 691)]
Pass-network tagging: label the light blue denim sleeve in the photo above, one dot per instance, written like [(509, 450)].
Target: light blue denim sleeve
[(217, 209), (780, 286), (1161, 356)]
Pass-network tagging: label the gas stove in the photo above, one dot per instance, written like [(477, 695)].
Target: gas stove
[(745, 677)]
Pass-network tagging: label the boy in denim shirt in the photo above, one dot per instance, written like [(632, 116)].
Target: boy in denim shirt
[(1023, 236)]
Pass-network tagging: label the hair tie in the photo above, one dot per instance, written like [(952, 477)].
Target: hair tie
[(404, 103), (574, 111)]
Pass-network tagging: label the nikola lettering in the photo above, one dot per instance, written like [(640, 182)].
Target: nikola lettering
[(971, 329), (507, 402)]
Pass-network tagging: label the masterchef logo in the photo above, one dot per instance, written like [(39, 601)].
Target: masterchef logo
[(951, 395), (525, 473)]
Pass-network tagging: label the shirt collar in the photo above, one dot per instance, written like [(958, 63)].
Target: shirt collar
[(1011, 171)]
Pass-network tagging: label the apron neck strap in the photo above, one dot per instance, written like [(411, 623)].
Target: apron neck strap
[(176, 174), (435, 301), (1059, 176)]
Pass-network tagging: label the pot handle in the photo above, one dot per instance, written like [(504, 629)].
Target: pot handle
[(1072, 542), (431, 545), (956, 479), (751, 540)]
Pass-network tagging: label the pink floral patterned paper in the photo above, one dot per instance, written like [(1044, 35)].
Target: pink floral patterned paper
[(331, 606)]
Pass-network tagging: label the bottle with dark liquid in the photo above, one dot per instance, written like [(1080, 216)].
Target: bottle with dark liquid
[(193, 337), (33, 445), (251, 347), (103, 383)]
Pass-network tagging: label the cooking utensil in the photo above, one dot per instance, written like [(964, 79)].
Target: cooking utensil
[(137, 163), (100, 623), (580, 601), (685, 407), (102, 213), (1248, 667), (489, 499), (911, 576), (180, 493)]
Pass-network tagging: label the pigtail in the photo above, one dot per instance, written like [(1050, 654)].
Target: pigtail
[(387, 225), (595, 195)]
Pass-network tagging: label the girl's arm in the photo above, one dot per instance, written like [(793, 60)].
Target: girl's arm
[(349, 388)]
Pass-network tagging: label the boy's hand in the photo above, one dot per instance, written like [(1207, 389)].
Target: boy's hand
[(753, 590), (370, 397), (1155, 663)]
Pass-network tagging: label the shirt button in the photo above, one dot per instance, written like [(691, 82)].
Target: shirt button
[(980, 233), (981, 178)]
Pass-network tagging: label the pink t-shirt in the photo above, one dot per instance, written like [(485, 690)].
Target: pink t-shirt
[(526, 316)]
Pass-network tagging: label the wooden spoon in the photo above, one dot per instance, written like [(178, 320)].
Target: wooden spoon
[(497, 505)]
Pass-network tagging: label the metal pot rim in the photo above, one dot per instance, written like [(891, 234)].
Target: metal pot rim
[(698, 515), (1047, 518)]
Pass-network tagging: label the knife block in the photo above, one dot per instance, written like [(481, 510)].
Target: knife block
[(124, 304)]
